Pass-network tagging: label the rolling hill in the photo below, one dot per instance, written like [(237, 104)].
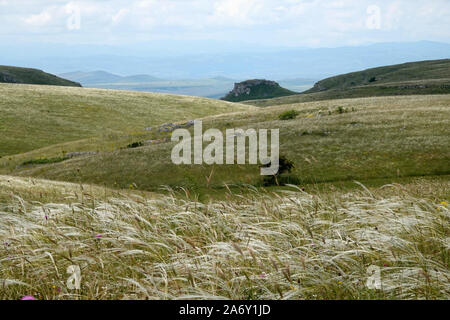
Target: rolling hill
[(413, 71), (334, 141), (372, 187), (424, 77), (32, 76), (34, 117)]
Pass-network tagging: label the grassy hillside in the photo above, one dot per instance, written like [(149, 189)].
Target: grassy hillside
[(256, 89), (32, 76), (140, 227), (295, 246), (384, 138), (34, 117), (425, 77), (435, 69)]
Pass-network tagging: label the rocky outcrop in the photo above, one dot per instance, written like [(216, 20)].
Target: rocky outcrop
[(245, 87), (7, 78), (169, 127), (256, 89), (418, 86), (79, 154)]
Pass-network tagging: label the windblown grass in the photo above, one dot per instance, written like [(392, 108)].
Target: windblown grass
[(290, 245)]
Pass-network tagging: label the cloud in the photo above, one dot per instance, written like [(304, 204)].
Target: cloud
[(119, 15), (40, 19), (235, 12), (281, 22)]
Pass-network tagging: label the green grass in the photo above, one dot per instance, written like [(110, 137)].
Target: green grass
[(35, 117), (140, 227), (32, 76), (376, 138), (425, 77), (413, 71), (295, 245)]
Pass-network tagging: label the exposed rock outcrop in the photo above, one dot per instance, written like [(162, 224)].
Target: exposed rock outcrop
[(256, 89), (7, 78), (245, 87)]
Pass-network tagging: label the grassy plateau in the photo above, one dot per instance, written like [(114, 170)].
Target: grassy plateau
[(33, 117), (86, 180), (329, 141)]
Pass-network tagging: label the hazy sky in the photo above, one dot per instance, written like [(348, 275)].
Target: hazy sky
[(312, 23)]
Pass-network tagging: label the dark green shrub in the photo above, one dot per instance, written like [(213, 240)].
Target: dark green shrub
[(288, 115), (135, 145), (341, 110), (44, 161), (285, 166)]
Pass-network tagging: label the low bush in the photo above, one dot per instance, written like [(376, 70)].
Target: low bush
[(341, 110), (135, 145), (285, 166), (44, 161), (288, 115)]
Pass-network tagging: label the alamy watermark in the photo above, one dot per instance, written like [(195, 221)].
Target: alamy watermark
[(74, 20), (74, 281), (229, 150), (373, 277), (373, 20)]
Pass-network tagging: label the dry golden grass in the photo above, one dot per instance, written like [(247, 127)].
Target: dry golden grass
[(290, 245)]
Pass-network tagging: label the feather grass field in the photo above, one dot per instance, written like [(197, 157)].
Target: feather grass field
[(285, 245)]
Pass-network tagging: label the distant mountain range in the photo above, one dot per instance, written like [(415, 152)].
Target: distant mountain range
[(99, 77), (422, 77), (282, 63), (214, 87)]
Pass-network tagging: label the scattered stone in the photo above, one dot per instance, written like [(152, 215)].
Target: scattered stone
[(190, 123), (169, 127), (79, 154), (413, 87), (157, 141)]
